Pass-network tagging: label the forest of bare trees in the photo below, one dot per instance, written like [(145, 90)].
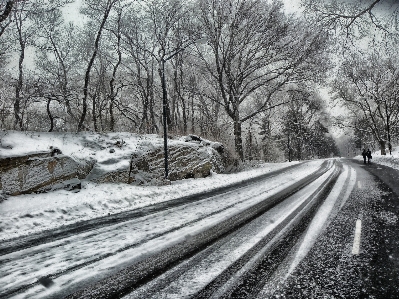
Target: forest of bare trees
[(366, 81), (243, 72)]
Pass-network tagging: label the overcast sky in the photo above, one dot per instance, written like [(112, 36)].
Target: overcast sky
[(292, 5), (72, 11)]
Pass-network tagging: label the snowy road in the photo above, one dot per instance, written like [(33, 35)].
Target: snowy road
[(249, 240)]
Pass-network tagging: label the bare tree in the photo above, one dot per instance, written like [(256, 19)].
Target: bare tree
[(354, 17), (141, 67), (298, 122), (57, 61), (369, 88), (21, 15), (103, 8), (254, 51), (113, 91), (167, 19), (157, 32)]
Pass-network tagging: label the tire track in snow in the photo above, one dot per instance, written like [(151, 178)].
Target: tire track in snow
[(21, 243), (142, 272), (64, 271), (337, 198)]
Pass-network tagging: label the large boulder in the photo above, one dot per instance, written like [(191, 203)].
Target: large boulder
[(38, 172), (190, 160), (222, 160), (113, 170), (186, 160)]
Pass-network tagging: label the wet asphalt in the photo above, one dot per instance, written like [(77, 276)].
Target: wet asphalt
[(331, 270)]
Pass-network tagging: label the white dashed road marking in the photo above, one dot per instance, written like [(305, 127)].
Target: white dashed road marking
[(356, 241), (359, 184)]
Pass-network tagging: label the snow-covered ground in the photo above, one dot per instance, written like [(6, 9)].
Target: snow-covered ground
[(387, 160), (26, 214)]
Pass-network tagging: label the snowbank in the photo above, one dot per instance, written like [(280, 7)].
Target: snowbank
[(26, 214)]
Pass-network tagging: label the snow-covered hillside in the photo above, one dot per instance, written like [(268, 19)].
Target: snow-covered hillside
[(34, 162), (111, 151)]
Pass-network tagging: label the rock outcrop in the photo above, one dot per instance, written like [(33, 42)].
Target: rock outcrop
[(191, 157), (38, 172), (184, 160)]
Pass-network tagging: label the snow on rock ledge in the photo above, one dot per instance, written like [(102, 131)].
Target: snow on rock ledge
[(27, 165)]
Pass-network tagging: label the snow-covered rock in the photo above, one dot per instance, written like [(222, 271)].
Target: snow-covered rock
[(184, 160), (38, 172), (37, 162)]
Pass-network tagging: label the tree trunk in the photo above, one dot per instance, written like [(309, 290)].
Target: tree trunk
[(111, 116), (192, 116), (299, 150), (7, 11), (289, 148), (389, 136), (183, 102), (184, 116), (250, 146), (382, 147), (112, 81), (238, 136), (100, 118), (50, 116), (154, 126), (94, 111), (18, 89)]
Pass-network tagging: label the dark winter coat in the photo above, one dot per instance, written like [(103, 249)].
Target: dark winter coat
[(369, 154)]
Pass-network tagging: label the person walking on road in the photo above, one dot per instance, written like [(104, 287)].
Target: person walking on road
[(364, 154), (369, 157)]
